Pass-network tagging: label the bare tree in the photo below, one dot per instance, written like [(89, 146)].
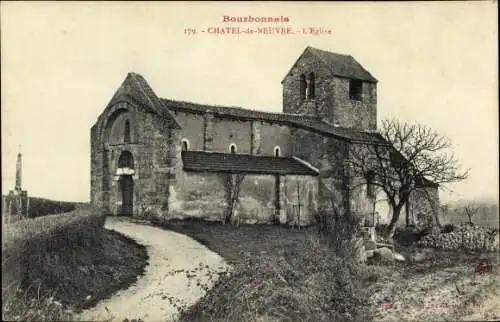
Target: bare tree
[(410, 157), (469, 209), (232, 186)]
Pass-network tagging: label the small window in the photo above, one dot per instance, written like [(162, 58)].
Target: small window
[(303, 87), (185, 144), (355, 89), (277, 151), (232, 148), (126, 136), (310, 85)]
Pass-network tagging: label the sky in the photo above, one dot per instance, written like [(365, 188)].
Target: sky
[(436, 62)]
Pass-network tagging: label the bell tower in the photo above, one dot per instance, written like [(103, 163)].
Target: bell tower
[(331, 87)]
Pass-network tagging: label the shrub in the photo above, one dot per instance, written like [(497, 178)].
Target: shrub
[(307, 283), (407, 235), (448, 228), (339, 232)]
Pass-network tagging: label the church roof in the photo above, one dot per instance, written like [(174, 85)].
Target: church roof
[(339, 64), (244, 163), (296, 120)]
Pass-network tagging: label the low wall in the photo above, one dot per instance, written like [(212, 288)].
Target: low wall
[(464, 237)]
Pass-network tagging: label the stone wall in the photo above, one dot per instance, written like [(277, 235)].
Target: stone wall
[(212, 133), (331, 100), (349, 113), (192, 128), (319, 106), (299, 200), (423, 204), (257, 199), (151, 148), (464, 237), (197, 195), (327, 154)]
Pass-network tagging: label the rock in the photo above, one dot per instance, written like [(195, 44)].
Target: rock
[(370, 245), (418, 257), (399, 257), (369, 253), (384, 255)]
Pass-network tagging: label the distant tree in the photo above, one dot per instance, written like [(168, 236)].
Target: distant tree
[(412, 156), (469, 210)]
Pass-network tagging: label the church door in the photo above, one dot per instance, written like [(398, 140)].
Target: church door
[(127, 188)]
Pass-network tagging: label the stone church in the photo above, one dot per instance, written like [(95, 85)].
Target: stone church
[(152, 155)]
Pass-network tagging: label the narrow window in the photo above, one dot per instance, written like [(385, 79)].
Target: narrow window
[(310, 84), (127, 132), (303, 87), (355, 89), (277, 151), (185, 144), (232, 148)]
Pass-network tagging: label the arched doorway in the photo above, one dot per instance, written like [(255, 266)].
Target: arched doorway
[(127, 192), (126, 183)]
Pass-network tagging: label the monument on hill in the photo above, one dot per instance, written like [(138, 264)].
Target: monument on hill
[(17, 201)]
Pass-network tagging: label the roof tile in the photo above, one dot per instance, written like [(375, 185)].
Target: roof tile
[(243, 163)]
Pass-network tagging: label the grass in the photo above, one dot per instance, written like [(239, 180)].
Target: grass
[(283, 274), (39, 207), (278, 274), (56, 265), (443, 287)]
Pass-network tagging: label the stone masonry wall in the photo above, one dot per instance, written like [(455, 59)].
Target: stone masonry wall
[(319, 106), (464, 237), (422, 205), (331, 101), (150, 148), (349, 113), (327, 154), (211, 133)]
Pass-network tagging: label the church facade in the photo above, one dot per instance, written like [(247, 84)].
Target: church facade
[(151, 155)]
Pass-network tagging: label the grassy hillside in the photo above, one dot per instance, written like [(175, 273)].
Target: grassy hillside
[(39, 207), (56, 264)]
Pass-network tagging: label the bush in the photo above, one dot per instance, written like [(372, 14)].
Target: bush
[(307, 283), (407, 236), (340, 232), (448, 228)]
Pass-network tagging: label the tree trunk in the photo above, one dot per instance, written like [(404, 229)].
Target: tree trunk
[(392, 225), (407, 211)]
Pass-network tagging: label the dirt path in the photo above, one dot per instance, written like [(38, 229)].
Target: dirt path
[(179, 272), (452, 293)]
